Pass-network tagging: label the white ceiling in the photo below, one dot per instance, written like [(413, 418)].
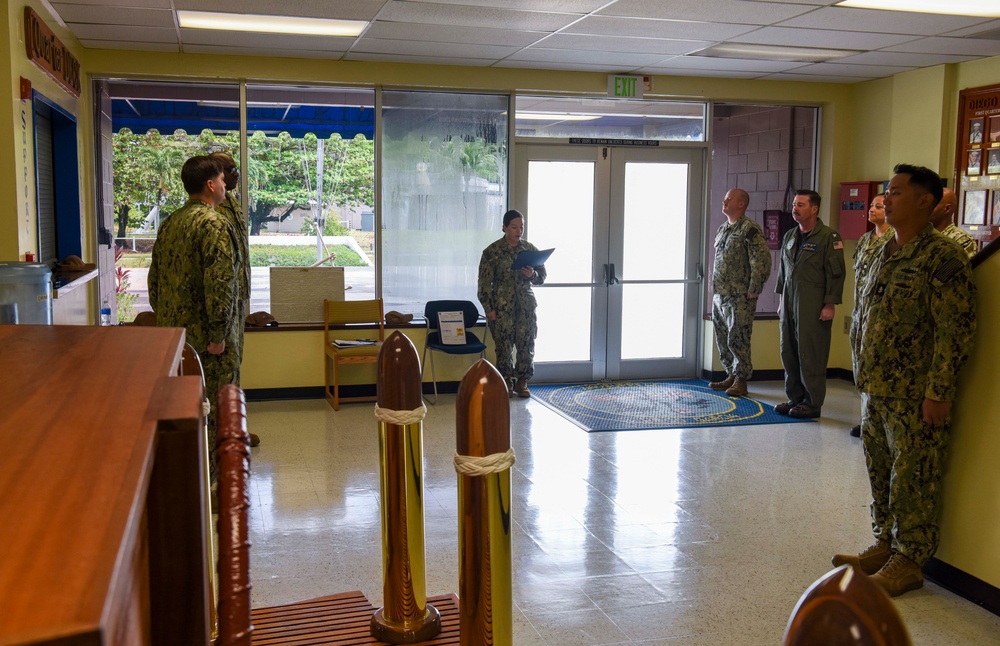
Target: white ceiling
[(613, 36)]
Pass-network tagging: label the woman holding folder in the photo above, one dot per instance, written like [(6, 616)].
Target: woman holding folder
[(509, 303)]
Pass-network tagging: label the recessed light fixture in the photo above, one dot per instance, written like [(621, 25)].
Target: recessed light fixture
[(774, 53), (982, 8), (269, 24)]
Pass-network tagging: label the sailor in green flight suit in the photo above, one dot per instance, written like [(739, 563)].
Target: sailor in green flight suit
[(811, 283)]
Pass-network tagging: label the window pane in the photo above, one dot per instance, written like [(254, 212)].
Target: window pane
[(659, 303), (564, 315), (561, 214), (156, 128), (656, 217), (295, 135), (561, 117), (444, 191)]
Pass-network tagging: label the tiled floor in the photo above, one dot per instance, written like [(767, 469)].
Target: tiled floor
[(698, 536)]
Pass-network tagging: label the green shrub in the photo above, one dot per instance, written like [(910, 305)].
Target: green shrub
[(300, 256)]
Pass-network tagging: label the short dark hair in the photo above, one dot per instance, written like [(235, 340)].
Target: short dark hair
[(197, 171), (813, 196), (513, 214), (923, 177)]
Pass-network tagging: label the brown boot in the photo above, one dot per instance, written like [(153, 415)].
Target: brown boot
[(870, 560), (738, 389), (899, 575), (724, 384), (521, 388)]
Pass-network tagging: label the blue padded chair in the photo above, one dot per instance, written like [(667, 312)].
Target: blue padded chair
[(472, 343)]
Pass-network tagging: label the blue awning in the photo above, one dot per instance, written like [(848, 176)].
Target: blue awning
[(141, 115)]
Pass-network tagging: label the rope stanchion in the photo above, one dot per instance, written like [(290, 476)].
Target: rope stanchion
[(401, 417), (469, 465)]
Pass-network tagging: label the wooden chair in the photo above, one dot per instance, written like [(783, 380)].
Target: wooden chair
[(334, 619), (337, 313), (845, 608)]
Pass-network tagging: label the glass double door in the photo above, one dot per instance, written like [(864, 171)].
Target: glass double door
[(622, 293)]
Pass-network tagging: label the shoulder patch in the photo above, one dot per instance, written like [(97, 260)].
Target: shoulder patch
[(838, 244), (947, 270), (752, 233)]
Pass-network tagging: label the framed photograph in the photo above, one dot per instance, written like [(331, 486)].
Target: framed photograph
[(975, 207), (995, 130), (996, 208), (975, 162), (975, 131), (993, 161)]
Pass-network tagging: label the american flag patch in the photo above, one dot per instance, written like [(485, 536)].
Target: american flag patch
[(838, 244)]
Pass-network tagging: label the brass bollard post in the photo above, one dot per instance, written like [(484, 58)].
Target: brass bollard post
[(483, 459), (406, 617)]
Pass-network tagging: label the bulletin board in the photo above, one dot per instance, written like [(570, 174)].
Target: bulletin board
[(977, 162)]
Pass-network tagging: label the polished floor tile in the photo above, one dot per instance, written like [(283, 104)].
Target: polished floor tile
[(679, 537)]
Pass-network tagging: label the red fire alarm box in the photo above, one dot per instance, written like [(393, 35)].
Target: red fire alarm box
[(776, 225), (855, 198)]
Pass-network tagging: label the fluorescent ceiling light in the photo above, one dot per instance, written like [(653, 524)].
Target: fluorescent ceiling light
[(982, 8), (269, 24), (774, 53)]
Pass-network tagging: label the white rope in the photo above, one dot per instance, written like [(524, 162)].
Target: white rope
[(484, 466), (206, 408), (401, 417)]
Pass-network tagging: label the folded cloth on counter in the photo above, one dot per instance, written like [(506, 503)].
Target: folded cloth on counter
[(261, 319), (397, 318), (75, 263)]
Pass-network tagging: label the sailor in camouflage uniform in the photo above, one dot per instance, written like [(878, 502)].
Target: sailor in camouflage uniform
[(510, 304), (811, 283), (232, 210), (742, 265), (193, 281), (916, 326), (943, 220), (862, 262)]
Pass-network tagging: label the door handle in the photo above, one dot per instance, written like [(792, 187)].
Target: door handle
[(700, 272), (612, 278)]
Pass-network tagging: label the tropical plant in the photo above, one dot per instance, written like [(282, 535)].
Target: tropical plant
[(124, 301)]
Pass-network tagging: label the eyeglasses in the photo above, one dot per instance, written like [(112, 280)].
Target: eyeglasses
[(231, 169)]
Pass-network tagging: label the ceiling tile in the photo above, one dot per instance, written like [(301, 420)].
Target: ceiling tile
[(957, 46), (341, 9), (568, 67), (101, 15), (460, 16), (820, 38), (672, 71), (744, 12), (900, 58), (442, 34), (631, 27), (611, 44), (418, 60), (261, 51), (450, 50), (271, 41), (130, 46), (625, 61), (559, 6), (146, 4), (114, 33), (974, 30), (811, 78), (888, 22), (735, 64), (857, 71)]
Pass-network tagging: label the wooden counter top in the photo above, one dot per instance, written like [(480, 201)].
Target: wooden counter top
[(81, 409)]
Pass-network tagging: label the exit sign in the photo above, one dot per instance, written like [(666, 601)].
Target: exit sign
[(627, 87)]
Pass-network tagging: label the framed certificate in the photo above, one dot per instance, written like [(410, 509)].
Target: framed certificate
[(975, 207), (995, 211)]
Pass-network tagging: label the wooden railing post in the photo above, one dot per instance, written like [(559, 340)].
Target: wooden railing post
[(483, 461), (406, 617)]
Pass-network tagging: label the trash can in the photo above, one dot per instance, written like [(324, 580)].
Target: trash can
[(367, 220), (28, 286)]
